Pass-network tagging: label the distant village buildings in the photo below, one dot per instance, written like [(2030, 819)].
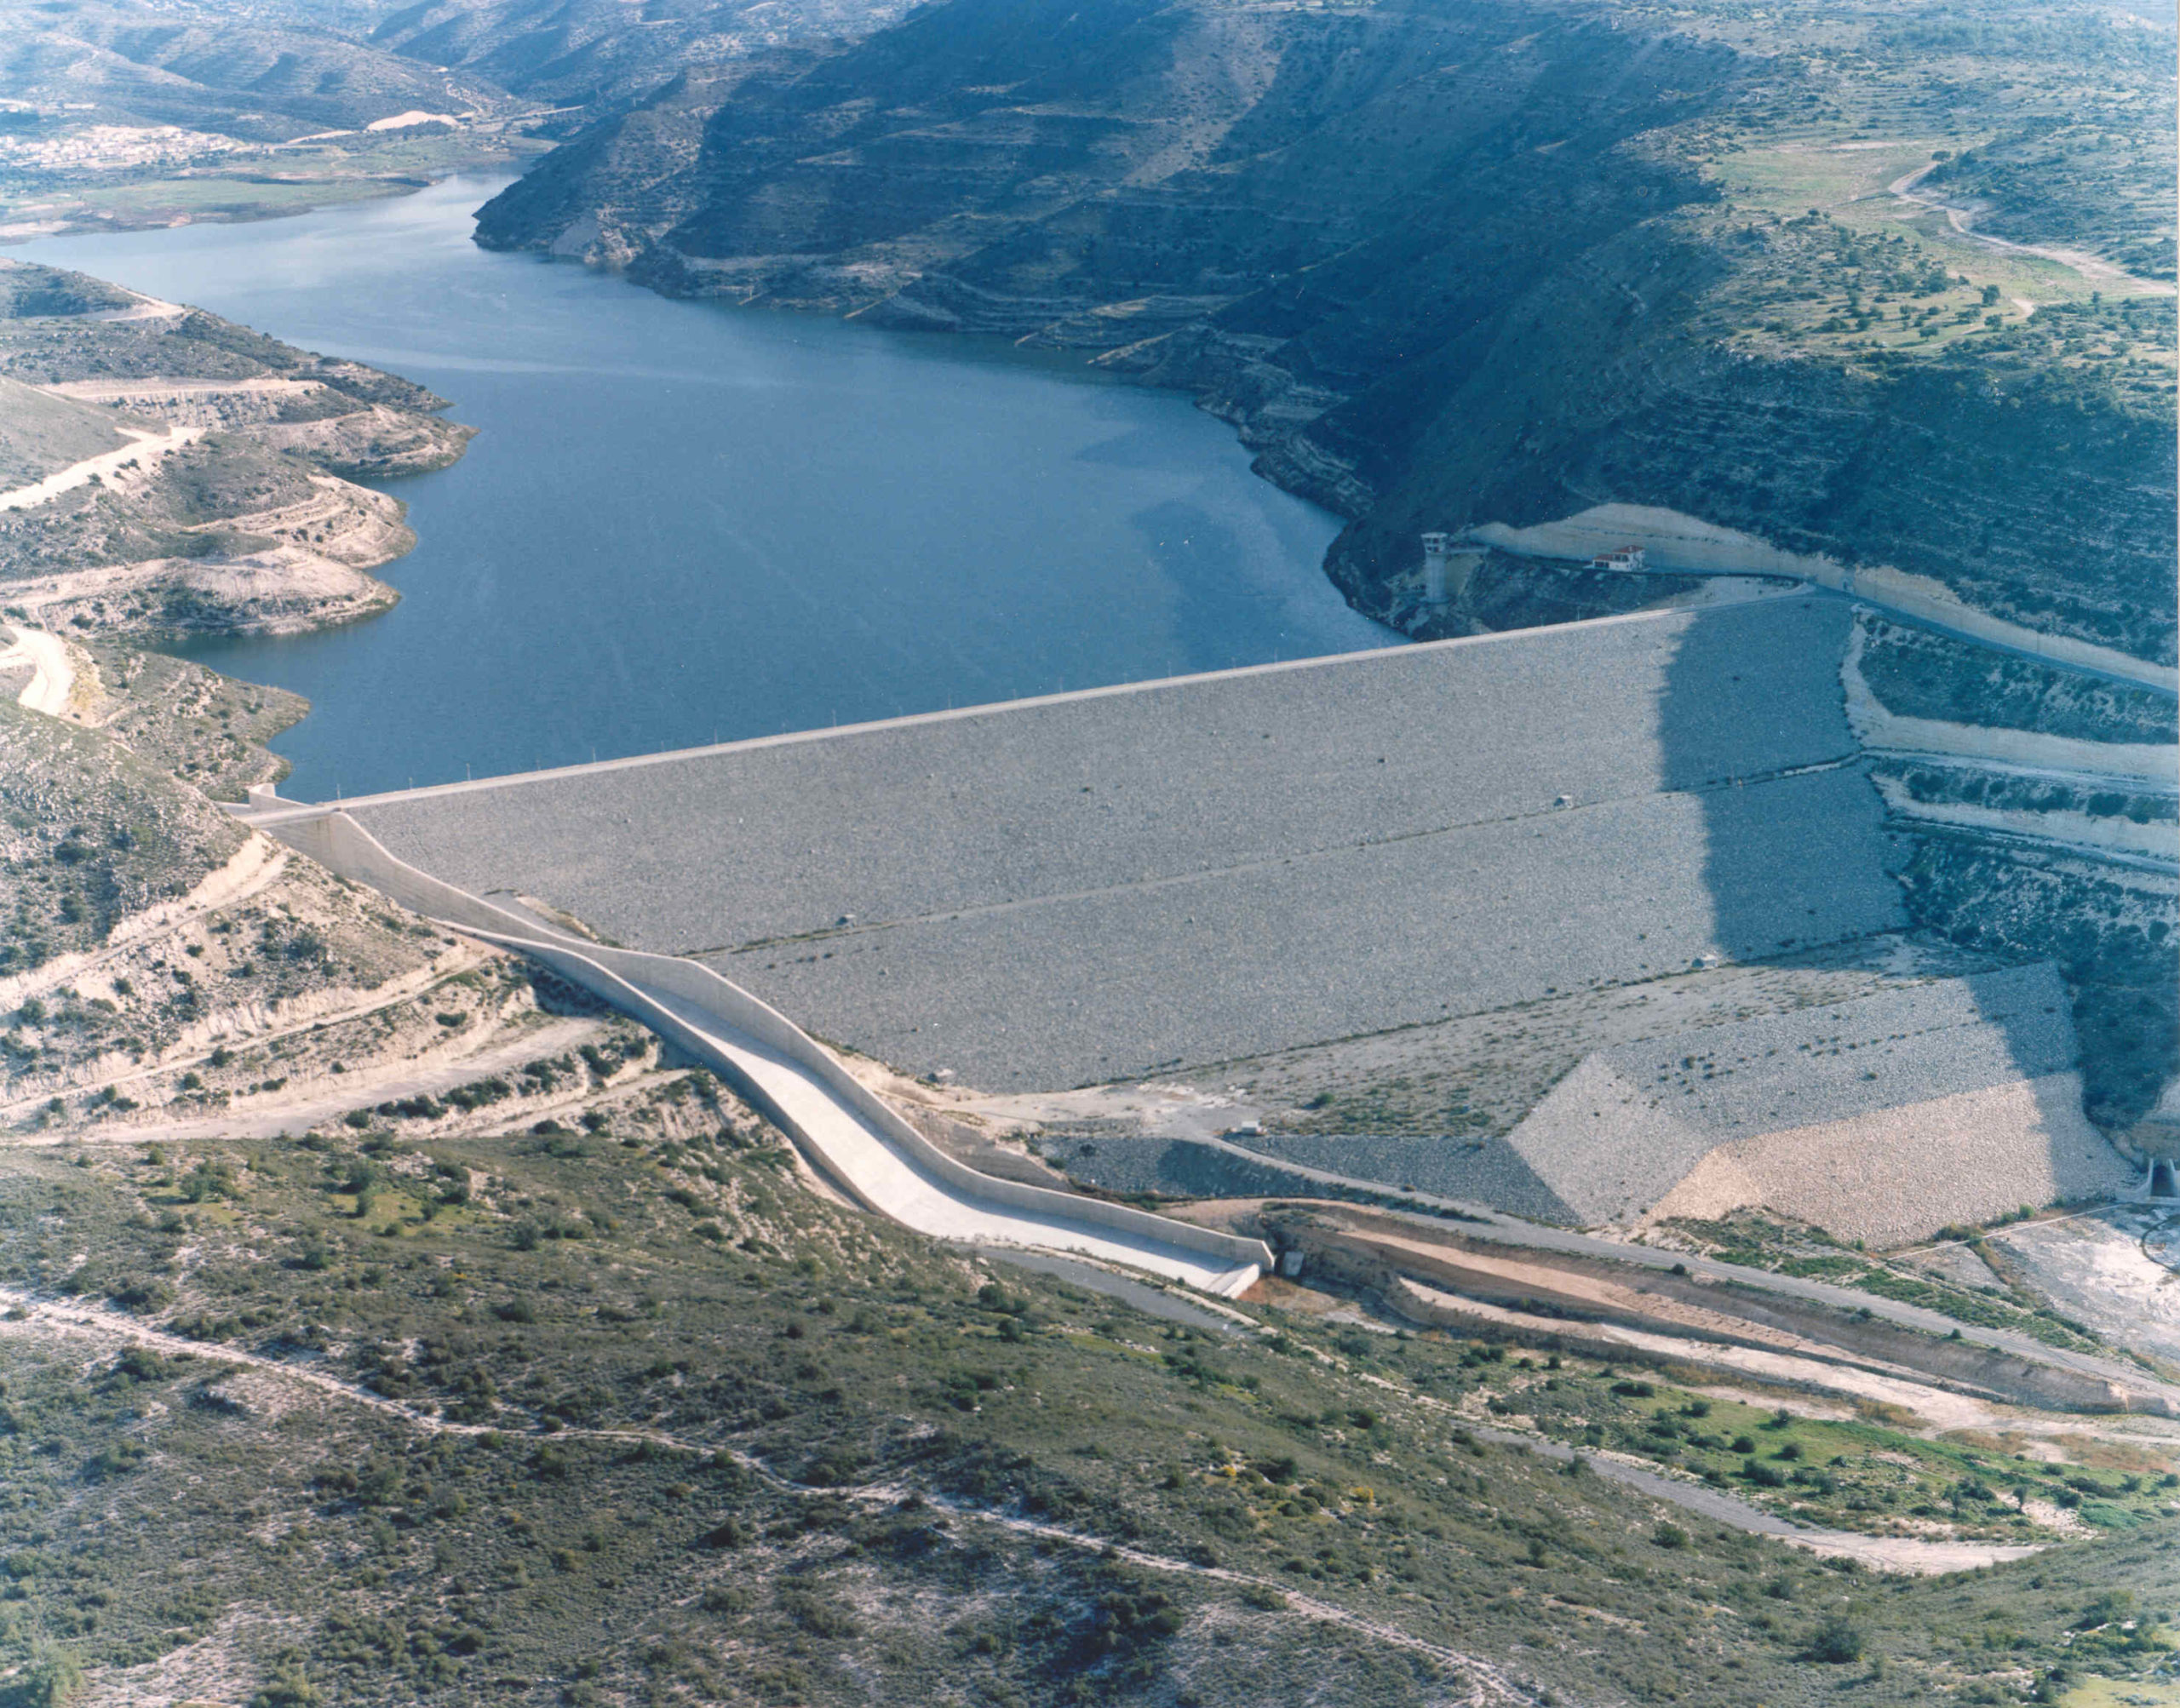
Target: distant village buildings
[(1626, 560)]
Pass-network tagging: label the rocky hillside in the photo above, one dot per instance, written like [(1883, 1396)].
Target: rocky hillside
[(336, 1251), (593, 50), (1888, 292), (1452, 265), (480, 1305), (237, 506), (141, 114), (384, 1321), (199, 68)]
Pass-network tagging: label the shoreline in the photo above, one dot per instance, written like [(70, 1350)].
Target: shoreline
[(1247, 587)]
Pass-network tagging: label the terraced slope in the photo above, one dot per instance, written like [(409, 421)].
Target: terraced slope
[(240, 507), (859, 1140)]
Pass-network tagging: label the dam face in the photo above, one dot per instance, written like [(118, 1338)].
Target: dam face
[(1100, 886)]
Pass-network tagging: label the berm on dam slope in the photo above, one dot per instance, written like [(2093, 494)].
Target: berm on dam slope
[(1071, 889)]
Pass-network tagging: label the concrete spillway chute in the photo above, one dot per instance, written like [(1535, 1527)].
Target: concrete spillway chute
[(846, 1130)]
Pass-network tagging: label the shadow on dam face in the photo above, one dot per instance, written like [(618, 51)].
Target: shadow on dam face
[(1752, 722), (1118, 884), (1060, 893), (1789, 869)]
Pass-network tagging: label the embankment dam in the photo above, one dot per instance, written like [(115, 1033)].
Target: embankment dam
[(1092, 885), (1124, 883)]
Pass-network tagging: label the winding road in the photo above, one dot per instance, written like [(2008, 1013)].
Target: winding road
[(1472, 1221), (2088, 265)]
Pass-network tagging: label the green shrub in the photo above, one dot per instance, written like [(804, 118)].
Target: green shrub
[(1836, 1642), (122, 1456), (54, 1679), (208, 1180), (141, 1364), (818, 1616), (2105, 1607)]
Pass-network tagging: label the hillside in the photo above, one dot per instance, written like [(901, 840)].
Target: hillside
[(121, 114), (40, 434), (1883, 291), (546, 1356), (587, 52), (384, 1320), (233, 501), (1446, 267)]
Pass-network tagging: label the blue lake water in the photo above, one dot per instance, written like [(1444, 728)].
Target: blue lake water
[(682, 523)]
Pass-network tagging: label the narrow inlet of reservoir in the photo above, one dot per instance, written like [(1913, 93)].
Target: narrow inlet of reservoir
[(682, 523)]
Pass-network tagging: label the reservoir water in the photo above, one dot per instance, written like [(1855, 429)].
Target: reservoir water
[(682, 523)]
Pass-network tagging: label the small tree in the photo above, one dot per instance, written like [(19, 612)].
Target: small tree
[(1836, 1642), (54, 1679)]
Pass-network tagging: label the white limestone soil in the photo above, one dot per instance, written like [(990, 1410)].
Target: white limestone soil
[(52, 673), (2095, 1267), (146, 451)]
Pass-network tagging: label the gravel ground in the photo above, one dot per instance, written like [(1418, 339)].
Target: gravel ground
[(1062, 892), (1476, 1171), (1174, 1167), (1891, 1114), (2099, 1267)]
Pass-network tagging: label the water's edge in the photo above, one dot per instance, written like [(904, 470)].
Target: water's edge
[(683, 521)]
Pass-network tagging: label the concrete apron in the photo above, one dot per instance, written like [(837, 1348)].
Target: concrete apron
[(857, 1139)]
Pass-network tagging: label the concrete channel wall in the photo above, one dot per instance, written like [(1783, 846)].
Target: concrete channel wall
[(663, 990)]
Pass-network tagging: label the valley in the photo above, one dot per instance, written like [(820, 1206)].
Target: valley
[(1178, 1107)]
